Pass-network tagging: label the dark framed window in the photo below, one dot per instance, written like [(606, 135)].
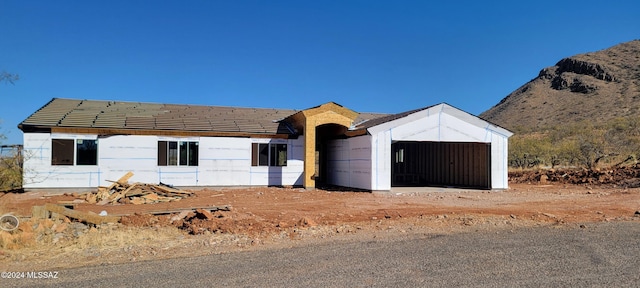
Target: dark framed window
[(61, 152), (64, 152), (86, 152), (265, 154), (177, 153)]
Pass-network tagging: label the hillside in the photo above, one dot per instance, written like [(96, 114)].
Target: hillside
[(597, 86)]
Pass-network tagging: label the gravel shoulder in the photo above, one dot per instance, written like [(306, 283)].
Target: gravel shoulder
[(593, 255)]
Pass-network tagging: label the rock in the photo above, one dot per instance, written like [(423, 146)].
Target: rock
[(549, 215), (637, 214), (57, 237), (543, 179), (206, 214), (60, 228), (306, 222), (180, 216), (79, 226)]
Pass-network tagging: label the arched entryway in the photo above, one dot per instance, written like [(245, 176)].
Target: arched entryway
[(325, 133), (318, 125)]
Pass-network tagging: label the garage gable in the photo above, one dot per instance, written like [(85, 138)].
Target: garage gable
[(438, 145), (441, 122)]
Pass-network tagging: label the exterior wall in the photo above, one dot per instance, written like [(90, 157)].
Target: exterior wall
[(222, 161), (39, 173), (499, 161), (292, 174), (349, 162), (436, 125), (381, 161)]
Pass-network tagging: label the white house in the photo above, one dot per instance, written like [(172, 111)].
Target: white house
[(70, 143)]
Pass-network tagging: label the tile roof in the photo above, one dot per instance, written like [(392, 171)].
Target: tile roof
[(75, 113), (383, 118)]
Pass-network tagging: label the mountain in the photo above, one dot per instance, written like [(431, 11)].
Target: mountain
[(597, 86)]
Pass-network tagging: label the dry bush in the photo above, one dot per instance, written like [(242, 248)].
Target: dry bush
[(11, 171), (581, 144), (17, 240), (117, 236)]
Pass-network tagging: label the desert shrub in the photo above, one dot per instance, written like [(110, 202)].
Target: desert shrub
[(583, 144), (11, 171), (527, 151)]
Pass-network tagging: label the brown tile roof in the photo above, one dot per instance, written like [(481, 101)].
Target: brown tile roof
[(383, 118), (135, 115), (74, 113)]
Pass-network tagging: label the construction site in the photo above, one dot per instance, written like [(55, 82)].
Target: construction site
[(127, 222)]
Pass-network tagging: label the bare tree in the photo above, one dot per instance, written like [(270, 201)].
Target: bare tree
[(8, 77)]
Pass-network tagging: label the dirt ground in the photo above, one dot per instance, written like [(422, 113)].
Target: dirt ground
[(267, 217)]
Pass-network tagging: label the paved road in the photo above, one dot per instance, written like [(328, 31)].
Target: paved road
[(600, 255)]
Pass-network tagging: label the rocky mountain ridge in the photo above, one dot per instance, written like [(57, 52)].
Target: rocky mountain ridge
[(597, 86)]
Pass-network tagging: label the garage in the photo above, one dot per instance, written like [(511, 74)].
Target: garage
[(441, 164)]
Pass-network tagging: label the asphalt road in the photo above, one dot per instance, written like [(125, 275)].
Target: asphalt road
[(602, 255)]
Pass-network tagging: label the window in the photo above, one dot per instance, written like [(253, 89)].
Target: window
[(263, 154), (400, 156), (177, 153), (63, 152)]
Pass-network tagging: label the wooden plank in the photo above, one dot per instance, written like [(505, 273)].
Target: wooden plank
[(208, 208), (151, 196), (168, 189), (122, 181), (132, 186), (125, 179), (83, 216), (91, 198), (137, 200), (136, 192), (117, 197), (39, 212)]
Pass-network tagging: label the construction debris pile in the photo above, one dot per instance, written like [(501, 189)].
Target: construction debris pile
[(207, 220), (628, 176), (137, 193)]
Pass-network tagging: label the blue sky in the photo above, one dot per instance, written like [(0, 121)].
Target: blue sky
[(370, 56)]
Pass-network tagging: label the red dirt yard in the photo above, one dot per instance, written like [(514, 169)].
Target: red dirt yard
[(269, 217), (287, 206)]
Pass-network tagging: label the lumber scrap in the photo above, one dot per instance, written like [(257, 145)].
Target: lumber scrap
[(83, 216), (123, 180), (39, 212), (192, 209), (121, 191)]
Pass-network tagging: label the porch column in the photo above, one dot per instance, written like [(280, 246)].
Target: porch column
[(309, 154)]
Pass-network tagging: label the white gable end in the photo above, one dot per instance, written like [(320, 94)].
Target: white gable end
[(440, 123)]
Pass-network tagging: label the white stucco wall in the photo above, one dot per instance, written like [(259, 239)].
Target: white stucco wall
[(499, 161), (349, 162), (223, 161)]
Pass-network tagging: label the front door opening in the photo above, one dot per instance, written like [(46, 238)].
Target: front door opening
[(324, 133)]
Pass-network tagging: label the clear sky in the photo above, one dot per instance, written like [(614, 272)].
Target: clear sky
[(370, 56)]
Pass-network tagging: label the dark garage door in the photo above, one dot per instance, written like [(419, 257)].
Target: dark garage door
[(441, 164)]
